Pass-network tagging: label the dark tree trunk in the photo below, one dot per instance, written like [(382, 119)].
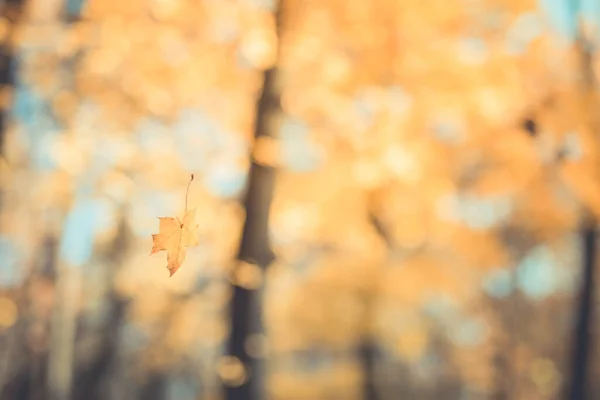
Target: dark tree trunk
[(245, 307), (582, 345), (155, 388), (12, 11), (582, 335), (367, 356)]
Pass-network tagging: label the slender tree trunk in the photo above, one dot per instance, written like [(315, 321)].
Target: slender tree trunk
[(12, 11), (60, 366), (582, 343), (367, 353), (62, 350), (582, 336), (95, 381), (155, 388), (246, 306)]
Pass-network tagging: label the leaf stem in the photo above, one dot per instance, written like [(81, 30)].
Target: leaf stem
[(187, 191)]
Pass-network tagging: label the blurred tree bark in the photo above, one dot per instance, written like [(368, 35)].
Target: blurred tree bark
[(13, 378), (94, 382), (69, 278), (582, 344), (368, 357), (245, 307), (245, 310), (11, 10), (582, 335)]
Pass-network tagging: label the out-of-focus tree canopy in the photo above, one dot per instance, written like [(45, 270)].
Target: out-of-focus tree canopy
[(433, 162)]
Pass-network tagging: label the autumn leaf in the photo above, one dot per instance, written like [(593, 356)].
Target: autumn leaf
[(175, 236)]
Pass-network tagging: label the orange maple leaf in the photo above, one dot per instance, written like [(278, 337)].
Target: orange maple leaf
[(175, 236)]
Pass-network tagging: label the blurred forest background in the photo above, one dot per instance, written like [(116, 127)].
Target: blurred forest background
[(396, 199)]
